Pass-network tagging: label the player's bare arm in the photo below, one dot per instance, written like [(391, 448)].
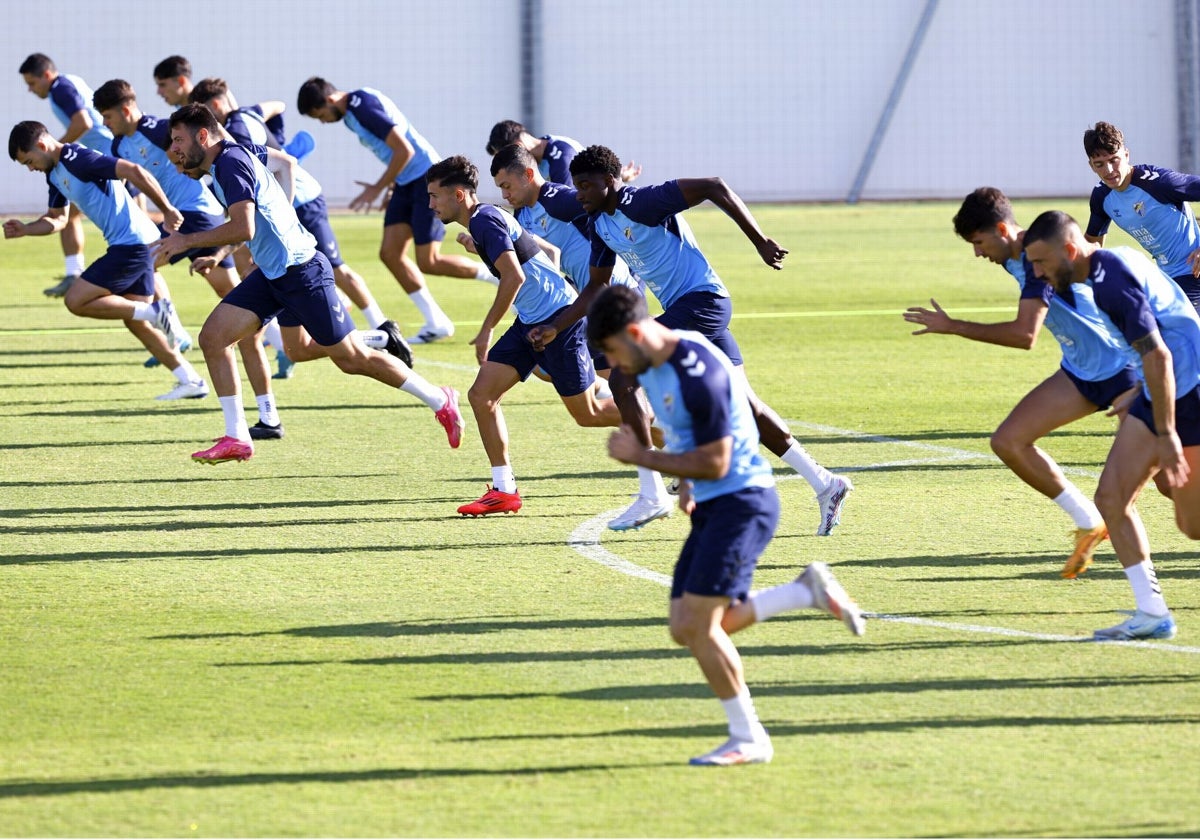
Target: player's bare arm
[(698, 190)]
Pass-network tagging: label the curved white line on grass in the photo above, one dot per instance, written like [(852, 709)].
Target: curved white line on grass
[(585, 539)]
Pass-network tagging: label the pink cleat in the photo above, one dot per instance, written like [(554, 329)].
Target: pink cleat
[(450, 418), (226, 449)]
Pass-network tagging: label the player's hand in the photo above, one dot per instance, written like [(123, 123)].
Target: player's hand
[(772, 254), (14, 229), (1120, 404), (630, 171), (172, 219), (933, 320), (1171, 463), (541, 335), (203, 265), (1193, 260), (467, 241), (482, 341), (687, 503), (624, 446), (365, 200), (168, 246)]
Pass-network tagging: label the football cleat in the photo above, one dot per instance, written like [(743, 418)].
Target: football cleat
[(163, 317), (1086, 542), (642, 512), (60, 288), (1140, 625), (831, 500), (493, 501), (286, 366), (429, 333), (735, 752), (186, 391), (265, 431), (396, 345), (226, 449), (829, 596), (452, 421), (673, 486)]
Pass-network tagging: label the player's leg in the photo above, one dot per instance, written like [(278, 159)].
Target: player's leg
[(1187, 498), (71, 240), (408, 219), (431, 260), (568, 363), (492, 382), (355, 287), (258, 371)]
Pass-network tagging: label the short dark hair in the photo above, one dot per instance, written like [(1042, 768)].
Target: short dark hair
[(615, 308), (36, 64), (513, 156), (1051, 226), (208, 89), (173, 66), (196, 116), (1103, 138), (595, 159), (113, 94), (312, 95), (457, 171), (25, 136), (504, 133), (983, 210)]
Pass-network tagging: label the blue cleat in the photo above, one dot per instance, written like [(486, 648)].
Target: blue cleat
[(1140, 625)]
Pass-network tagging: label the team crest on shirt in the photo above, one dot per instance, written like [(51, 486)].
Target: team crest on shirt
[(629, 233), (1140, 208), (544, 222), (668, 401)]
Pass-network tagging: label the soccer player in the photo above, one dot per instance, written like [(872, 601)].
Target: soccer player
[(173, 80), (531, 285), (1150, 203), (729, 493), (644, 227), (407, 156), (71, 101), (1160, 432), (551, 212), (1095, 371), (248, 127), (120, 284), (553, 154), (292, 277)]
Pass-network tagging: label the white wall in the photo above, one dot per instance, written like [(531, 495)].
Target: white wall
[(780, 97)]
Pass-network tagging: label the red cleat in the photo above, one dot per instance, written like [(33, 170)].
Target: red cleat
[(493, 501), (226, 449), (450, 418)]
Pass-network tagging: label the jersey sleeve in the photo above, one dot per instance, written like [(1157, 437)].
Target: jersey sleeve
[(157, 131), (238, 130), (490, 233), (559, 202), (57, 199), (602, 256), (558, 157), (234, 173), (704, 384), (1035, 289), (371, 114), (67, 97), (1099, 220), (88, 165), (1167, 185), (1123, 299), (652, 205)]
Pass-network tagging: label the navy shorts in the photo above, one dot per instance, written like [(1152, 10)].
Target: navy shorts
[(193, 221), (728, 535), (1102, 393), (314, 216), (565, 360), (123, 270), (1191, 288), (409, 205), (305, 296), (1187, 415), (707, 314)]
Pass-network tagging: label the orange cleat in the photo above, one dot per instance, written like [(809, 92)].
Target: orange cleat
[(493, 501)]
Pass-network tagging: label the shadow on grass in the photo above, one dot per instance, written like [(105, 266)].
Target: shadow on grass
[(13, 790), (464, 627)]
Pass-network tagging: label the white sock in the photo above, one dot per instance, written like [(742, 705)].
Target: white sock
[(235, 418), (185, 373), (374, 315), (603, 392), (1079, 507), (430, 311), (482, 274), (74, 265), (267, 412), (650, 484), (272, 335), (420, 388), (798, 459), (373, 338), (783, 598), (503, 479), (143, 311), (744, 724), (1146, 591)]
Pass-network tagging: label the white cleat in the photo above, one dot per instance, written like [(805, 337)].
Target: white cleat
[(429, 334), (831, 500), (643, 511), (736, 752), (829, 596), (186, 391), (165, 320)]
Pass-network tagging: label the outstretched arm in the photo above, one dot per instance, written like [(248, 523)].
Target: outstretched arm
[(52, 221), (1021, 332), (697, 190)]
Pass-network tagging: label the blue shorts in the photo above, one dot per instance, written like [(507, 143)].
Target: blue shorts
[(565, 359), (305, 296), (193, 221), (123, 270), (409, 205), (314, 216), (707, 314), (1191, 288), (728, 535), (1187, 415), (1102, 393)]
